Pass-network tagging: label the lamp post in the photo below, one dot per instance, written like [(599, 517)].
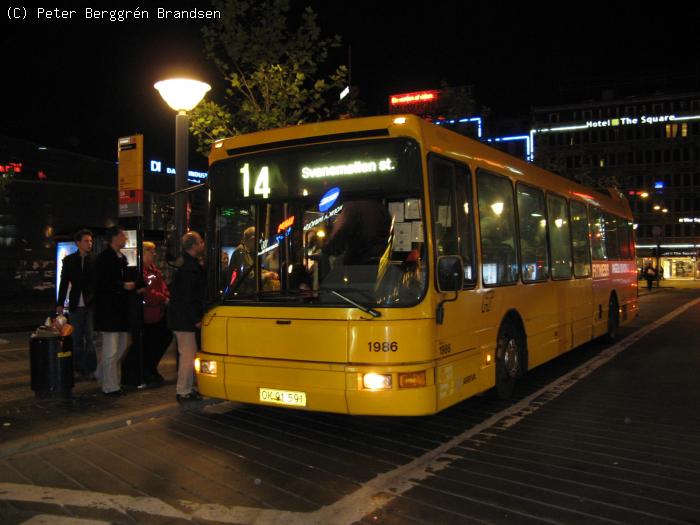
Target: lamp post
[(182, 95)]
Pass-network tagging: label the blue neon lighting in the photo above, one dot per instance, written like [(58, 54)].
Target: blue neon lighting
[(473, 120), (328, 199), (659, 185)]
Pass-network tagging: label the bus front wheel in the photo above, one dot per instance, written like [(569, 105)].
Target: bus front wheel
[(510, 359)]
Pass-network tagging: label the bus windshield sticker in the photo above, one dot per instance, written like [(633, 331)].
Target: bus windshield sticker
[(329, 199)]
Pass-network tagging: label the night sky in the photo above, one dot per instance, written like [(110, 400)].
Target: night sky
[(78, 84)]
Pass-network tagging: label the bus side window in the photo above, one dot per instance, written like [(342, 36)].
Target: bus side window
[(465, 223), (534, 260), (611, 247), (579, 236), (499, 262), (452, 212), (623, 238), (443, 207), (559, 237), (598, 235)]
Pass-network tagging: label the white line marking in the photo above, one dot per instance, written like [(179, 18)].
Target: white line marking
[(353, 507), (86, 498), (48, 519)]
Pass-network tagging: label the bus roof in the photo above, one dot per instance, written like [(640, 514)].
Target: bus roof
[(434, 139)]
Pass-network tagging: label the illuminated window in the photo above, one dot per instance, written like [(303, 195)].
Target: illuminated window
[(559, 237), (598, 235), (611, 235), (453, 225), (684, 129), (497, 225), (534, 260)]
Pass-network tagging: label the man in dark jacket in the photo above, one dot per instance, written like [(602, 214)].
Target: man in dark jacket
[(185, 311), (79, 273), (112, 310)]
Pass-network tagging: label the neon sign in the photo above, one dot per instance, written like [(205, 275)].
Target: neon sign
[(11, 167), (413, 98), (156, 166), (629, 121)]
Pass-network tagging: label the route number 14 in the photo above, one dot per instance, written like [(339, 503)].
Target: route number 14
[(262, 182)]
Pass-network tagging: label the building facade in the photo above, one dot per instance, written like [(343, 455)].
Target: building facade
[(649, 147), (50, 194)]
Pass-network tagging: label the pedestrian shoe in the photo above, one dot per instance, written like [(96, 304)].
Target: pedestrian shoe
[(192, 396), (115, 393)]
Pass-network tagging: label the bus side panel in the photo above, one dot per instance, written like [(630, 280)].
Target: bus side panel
[(626, 285), (601, 297), (537, 305), (581, 301), (464, 340), (460, 377)]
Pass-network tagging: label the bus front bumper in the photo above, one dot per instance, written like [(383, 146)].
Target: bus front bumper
[(322, 387)]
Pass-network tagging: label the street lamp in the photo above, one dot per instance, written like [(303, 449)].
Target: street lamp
[(182, 95)]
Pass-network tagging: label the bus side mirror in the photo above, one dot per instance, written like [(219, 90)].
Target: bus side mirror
[(450, 278), (450, 273)]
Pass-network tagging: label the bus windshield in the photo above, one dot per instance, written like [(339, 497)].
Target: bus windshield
[(330, 225)]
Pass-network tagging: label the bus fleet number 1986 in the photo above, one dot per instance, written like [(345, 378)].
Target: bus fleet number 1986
[(386, 346)]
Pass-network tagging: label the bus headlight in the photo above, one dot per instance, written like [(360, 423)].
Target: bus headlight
[(374, 381), (205, 367), (412, 379)]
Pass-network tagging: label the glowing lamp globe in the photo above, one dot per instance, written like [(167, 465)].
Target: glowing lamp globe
[(182, 94)]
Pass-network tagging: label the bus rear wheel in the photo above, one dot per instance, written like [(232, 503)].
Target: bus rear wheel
[(510, 359)]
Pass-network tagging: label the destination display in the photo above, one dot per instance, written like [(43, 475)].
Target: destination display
[(314, 171)]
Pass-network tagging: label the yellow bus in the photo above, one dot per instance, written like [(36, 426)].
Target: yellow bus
[(388, 266)]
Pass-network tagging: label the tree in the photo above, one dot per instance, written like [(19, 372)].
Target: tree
[(273, 72)]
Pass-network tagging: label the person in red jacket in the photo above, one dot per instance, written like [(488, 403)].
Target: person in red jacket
[(156, 335)]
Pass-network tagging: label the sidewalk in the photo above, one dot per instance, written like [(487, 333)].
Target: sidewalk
[(666, 284), (27, 422)]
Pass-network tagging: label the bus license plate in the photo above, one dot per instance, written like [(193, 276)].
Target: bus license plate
[(283, 397)]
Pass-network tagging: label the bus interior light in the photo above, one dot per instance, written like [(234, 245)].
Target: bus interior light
[(412, 379), (400, 120), (374, 381)]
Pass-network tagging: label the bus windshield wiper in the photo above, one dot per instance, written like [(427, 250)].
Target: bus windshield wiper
[(366, 309)]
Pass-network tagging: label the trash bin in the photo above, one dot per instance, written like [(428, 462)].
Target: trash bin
[(51, 365)]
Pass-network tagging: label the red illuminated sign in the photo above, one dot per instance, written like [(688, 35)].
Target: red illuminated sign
[(11, 167), (413, 98)]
